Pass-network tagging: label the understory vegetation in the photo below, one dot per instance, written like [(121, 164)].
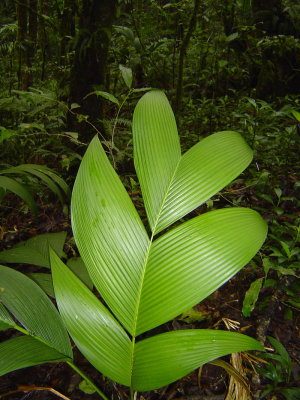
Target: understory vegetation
[(103, 219)]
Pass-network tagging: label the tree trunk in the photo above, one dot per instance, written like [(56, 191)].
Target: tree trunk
[(32, 38), (67, 26), (182, 53), (91, 52), (268, 15), (21, 13)]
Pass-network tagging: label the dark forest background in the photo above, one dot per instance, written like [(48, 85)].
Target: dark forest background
[(72, 68)]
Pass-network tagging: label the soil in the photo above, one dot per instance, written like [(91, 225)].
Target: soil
[(211, 382)]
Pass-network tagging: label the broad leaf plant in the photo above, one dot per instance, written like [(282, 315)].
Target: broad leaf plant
[(147, 279)]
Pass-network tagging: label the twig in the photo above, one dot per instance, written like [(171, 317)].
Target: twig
[(31, 388)]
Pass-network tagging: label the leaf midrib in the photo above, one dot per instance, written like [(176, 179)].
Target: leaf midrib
[(165, 198), (145, 263)]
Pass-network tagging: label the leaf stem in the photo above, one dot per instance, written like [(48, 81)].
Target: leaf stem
[(87, 379), (131, 393)]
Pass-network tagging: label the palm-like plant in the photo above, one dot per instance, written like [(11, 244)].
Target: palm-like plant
[(146, 281)]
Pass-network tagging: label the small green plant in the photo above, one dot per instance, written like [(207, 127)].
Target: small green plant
[(35, 251), (278, 371), (18, 180), (281, 266), (148, 275)]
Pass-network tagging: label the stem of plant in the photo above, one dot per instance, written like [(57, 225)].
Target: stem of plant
[(131, 393), (87, 379)]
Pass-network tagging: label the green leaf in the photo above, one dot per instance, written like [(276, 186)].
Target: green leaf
[(267, 265), (251, 297), (280, 349), (192, 260), (286, 271), (35, 250), (172, 185), (61, 183), (20, 190), (6, 320), (25, 351), (193, 315), (105, 95), (232, 37), (44, 178), (155, 168), (6, 134), (126, 75), (286, 248), (77, 266), (110, 236), (44, 281), (4, 326), (167, 357), (86, 387), (138, 90), (94, 330), (292, 393), (33, 309), (47, 176), (74, 106), (296, 114)]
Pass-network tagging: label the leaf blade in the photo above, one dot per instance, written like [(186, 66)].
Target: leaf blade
[(185, 351), (156, 155), (105, 343), (25, 351), (110, 236), (20, 190), (35, 250), (191, 261), (203, 170), (33, 309)]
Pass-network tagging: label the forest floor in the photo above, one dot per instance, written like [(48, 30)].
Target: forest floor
[(221, 310)]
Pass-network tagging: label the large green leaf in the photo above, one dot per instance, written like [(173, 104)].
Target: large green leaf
[(191, 261), (33, 309), (94, 330), (164, 358), (146, 283), (35, 250), (25, 351), (156, 150), (20, 190), (172, 185), (105, 221)]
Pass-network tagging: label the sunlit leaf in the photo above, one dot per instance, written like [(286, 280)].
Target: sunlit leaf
[(94, 330), (167, 357), (173, 185)]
